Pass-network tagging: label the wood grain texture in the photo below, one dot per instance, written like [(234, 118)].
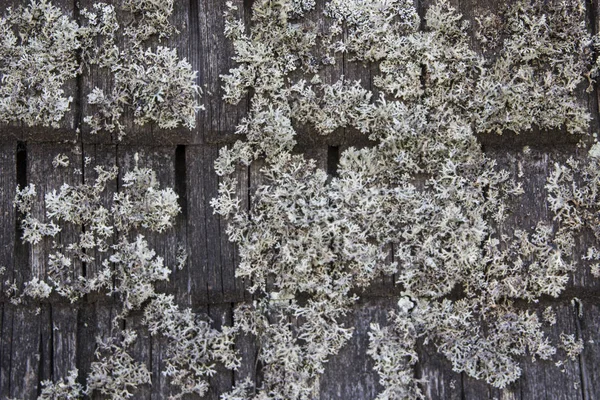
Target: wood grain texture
[(94, 77), (196, 268), (166, 243), (588, 326), (223, 380), (181, 20), (161, 386), (95, 322), (545, 380), (8, 229), (439, 380), (23, 333), (5, 350), (211, 54), (141, 352), (45, 344), (349, 374), (211, 256), (64, 340)]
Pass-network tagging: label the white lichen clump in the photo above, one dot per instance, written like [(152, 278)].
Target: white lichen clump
[(42, 49), (152, 84), (38, 56), (115, 373), (574, 197), (310, 242), (194, 347), (67, 390), (424, 202), (119, 262)]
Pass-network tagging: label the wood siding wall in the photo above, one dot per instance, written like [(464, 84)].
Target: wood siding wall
[(35, 347)]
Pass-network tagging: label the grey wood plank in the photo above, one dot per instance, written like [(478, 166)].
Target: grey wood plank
[(350, 374), (540, 379), (64, 340), (104, 79), (211, 54), (5, 349), (149, 133), (257, 179), (25, 353), (161, 386), (543, 379), (141, 351), (234, 288), (165, 244), (46, 343), (196, 268), (222, 381), (104, 156), (439, 380), (532, 169), (588, 326), (247, 349), (478, 390), (353, 70), (95, 321), (93, 77), (181, 20), (180, 275), (8, 229), (212, 256), (213, 228), (244, 182), (307, 135)]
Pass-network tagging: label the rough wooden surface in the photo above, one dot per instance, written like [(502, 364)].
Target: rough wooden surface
[(45, 341)]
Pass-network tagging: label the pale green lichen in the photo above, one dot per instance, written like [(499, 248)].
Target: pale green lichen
[(68, 389), (425, 188), (115, 373), (141, 203), (310, 242), (393, 348), (193, 348), (574, 198), (42, 49), (98, 36), (37, 289), (154, 85), (125, 266), (573, 347), (38, 56), (153, 19)]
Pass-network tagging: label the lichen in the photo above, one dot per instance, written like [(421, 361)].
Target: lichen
[(152, 84), (38, 56), (574, 198), (42, 49), (310, 242), (68, 389), (115, 373), (423, 202), (193, 346), (153, 19), (110, 243)]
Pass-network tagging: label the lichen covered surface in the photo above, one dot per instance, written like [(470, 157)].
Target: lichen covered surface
[(478, 251)]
